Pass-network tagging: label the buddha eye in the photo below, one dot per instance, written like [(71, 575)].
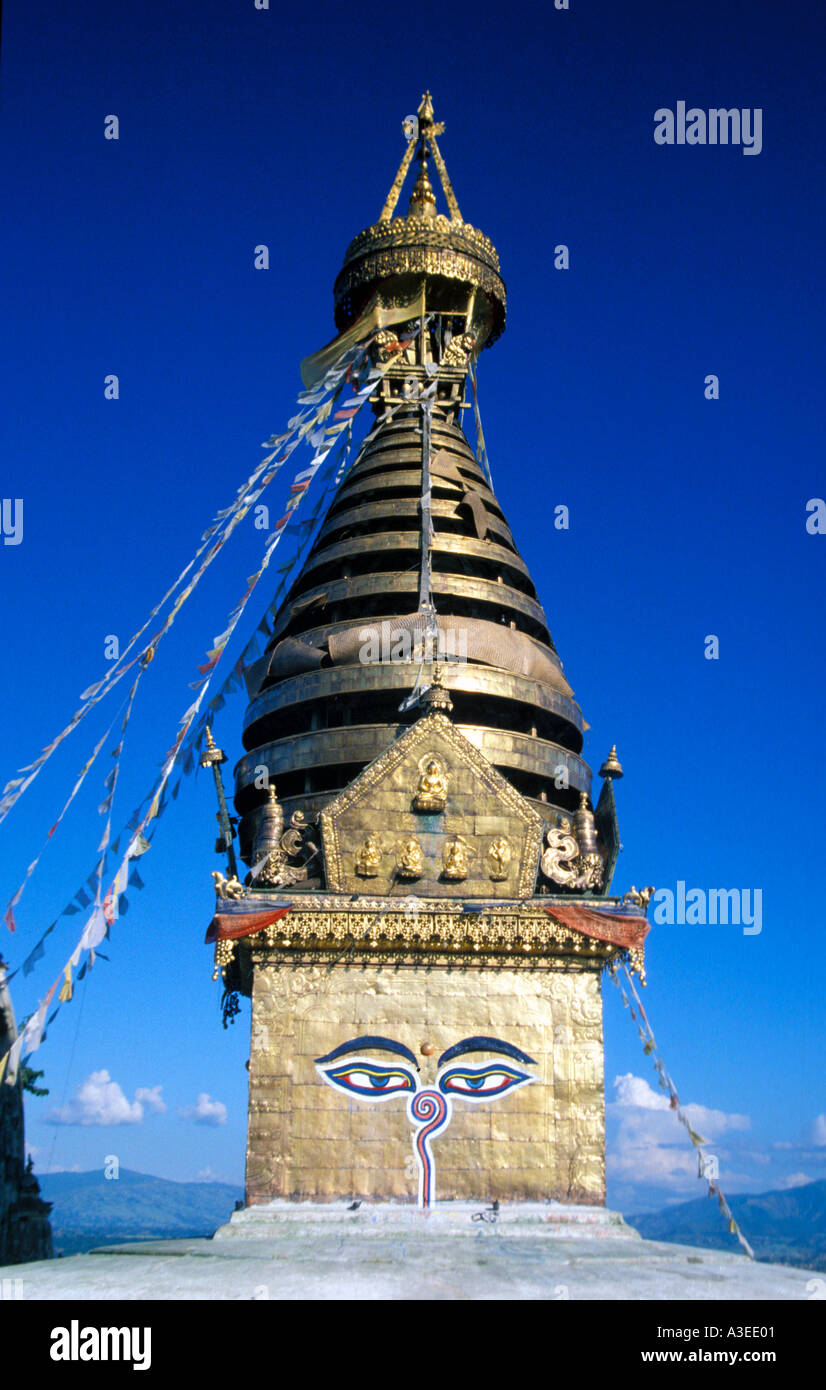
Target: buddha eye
[(362, 1076), (483, 1083)]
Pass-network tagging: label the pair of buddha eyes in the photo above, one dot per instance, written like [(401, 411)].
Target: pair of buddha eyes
[(363, 1076)]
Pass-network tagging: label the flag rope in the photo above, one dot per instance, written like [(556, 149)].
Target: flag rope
[(338, 376), (250, 651), (646, 1034), (223, 525), (98, 924), (481, 447)]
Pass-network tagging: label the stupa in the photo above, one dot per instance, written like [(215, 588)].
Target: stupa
[(427, 912)]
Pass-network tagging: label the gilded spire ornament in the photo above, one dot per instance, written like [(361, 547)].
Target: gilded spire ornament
[(214, 757), (426, 241), (611, 767), (422, 199), (437, 696)]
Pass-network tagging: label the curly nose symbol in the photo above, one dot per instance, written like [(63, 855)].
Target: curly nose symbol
[(430, 1111)]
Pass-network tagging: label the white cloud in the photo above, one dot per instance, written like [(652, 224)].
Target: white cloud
[(207, 1175), (794, 1180), (650, 1147), (818, 1134), (634, 1091), (100, 1101), (150, 1096), (712, 1123), (205, 1111)]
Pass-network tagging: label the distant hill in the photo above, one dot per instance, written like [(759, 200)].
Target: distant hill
[(785, 1227), (90, 1210)]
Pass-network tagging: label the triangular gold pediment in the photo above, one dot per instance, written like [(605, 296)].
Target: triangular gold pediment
[(433, 818)]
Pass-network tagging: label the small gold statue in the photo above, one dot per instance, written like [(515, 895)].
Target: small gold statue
[(639, 897), (455, 858), (368, 859), (227, 887), (458, 351), (432, 792), (499, 858), (410, 863)]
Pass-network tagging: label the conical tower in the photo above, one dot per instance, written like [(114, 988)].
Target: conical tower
[(428, 879), (414, 542)]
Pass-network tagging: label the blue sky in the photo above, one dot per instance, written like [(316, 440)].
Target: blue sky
[(240, 127)]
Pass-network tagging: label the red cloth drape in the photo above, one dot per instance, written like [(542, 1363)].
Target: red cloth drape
[(229, 926), (605, 926)]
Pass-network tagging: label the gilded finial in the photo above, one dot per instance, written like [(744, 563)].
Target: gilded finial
[(443, 247), (422, 198), (421, 136), (427, 125), (611, 767), (425, 112), (212, 754), (437, 697)]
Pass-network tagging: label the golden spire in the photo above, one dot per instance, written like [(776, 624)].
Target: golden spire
[(388, 261), (422, 133), (430, 129)]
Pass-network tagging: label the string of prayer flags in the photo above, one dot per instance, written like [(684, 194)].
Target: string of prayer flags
[(220, 643), (138, 843), (39, 951), (97, 692), (101, 918), (374, 318), (112, 781), (345, 462), (97, 926), (481, 447), (226, 520), (29, 1038), (8, 916), (650, 1048), (734, 1229), (105, 912)]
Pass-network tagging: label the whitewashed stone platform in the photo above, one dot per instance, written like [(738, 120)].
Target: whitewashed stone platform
[(287, 1251), (550, 1219)]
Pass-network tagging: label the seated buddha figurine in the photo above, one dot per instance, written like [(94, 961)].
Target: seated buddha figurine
[(455, 859), (432, 791), (368, 859), (411, 859)]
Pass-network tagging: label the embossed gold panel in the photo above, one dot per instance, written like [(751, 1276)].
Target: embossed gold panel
[(307, 1141), (477, 836)]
